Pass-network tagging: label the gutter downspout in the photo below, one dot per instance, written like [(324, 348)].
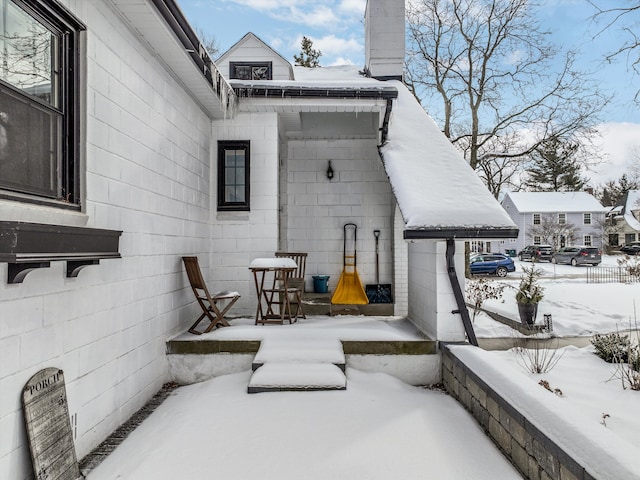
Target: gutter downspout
[(457, 292), (385, 123)]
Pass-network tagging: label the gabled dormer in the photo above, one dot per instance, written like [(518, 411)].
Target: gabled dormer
[(251, 59)]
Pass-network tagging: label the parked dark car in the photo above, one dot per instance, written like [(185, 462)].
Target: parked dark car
[(578, 256), (493, 263), (536, 253), (631, 248)]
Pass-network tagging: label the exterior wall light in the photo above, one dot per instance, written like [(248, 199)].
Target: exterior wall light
[(329, 171)]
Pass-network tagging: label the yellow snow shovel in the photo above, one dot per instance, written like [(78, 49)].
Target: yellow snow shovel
[(349, 290)]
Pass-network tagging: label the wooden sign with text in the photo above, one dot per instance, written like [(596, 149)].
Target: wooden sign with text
[(46, 416)]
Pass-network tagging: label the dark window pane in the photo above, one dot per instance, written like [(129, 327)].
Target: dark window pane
[(29, 149), (243, 72)]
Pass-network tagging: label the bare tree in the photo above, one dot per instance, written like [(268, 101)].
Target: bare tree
[(551, 231), (626, 18), (490, 67), (609, 232), (209, 42)]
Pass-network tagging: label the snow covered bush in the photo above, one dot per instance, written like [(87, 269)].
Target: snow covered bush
[(612, 347), (630, 265), (620, 350), (480, 290)]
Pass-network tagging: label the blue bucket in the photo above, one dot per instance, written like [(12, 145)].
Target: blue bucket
[(321, 283)]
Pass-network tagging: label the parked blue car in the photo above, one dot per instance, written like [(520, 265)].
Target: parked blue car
[(492, 263)]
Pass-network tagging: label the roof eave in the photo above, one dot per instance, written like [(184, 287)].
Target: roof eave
[(460, 233), (164, 27), (317, 92)]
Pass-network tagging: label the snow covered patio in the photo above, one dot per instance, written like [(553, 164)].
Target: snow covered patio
[(379, 428)]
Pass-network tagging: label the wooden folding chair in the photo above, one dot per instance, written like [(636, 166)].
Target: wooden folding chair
[(296, 280), (208, 303)]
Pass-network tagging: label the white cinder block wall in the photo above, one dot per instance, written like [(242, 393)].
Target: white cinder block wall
[(239, 237), (431, 298), (317, 208), (147, 173), (401, 277)]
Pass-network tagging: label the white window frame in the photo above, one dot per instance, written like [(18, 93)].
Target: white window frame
[(586, 218), (587, 241), (536, 219), (562, 218), (537, 240)]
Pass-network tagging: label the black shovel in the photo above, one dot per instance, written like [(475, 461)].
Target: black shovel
[(378, 293)]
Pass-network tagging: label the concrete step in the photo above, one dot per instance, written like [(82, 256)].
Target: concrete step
[(280, 377), (300, 349), (320, 304)]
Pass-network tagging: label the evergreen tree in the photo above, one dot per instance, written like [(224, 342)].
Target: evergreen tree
[(613, 191), (555, 168), (308, 55)]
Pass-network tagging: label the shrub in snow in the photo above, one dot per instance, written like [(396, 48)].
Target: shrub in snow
[(536, 356), (612, 347), (630, 265), (480, 290), (620, 350)]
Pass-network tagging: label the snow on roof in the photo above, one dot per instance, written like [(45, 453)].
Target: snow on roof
[(633, 203), (435, 187), (550, 202)]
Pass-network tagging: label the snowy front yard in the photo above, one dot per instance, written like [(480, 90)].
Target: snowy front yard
[(577, 308), (588, 385)]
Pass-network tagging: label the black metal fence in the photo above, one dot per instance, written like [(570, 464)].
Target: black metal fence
[(611, 275)]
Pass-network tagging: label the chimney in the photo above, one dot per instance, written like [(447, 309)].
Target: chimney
[(384, 38)]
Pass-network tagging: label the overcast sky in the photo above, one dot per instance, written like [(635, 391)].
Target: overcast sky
[(336, 28)]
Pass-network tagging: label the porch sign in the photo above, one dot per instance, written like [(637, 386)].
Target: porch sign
[(46, 416)]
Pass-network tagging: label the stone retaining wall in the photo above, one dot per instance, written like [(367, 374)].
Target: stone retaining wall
[(535, 455)]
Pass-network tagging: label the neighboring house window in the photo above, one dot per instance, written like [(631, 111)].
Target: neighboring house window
[(562, 219), (537, 240), (613, 239), (629, 237), (39, 117), (587, 240), (586, 218), (233, 175), (250, 70), (536, 219)]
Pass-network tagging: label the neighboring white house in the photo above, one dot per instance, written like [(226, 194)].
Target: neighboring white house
[(555, 218), (124, 151), (624, 220)]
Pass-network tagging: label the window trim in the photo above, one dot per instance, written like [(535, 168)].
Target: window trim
[(224, 206), (562, 218), (588, 243), (537, 240), (69, 30), (534, 217), (584, 218)]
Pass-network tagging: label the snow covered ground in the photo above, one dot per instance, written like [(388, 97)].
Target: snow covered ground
[(576, 308), (589, 385), (381, 428)]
